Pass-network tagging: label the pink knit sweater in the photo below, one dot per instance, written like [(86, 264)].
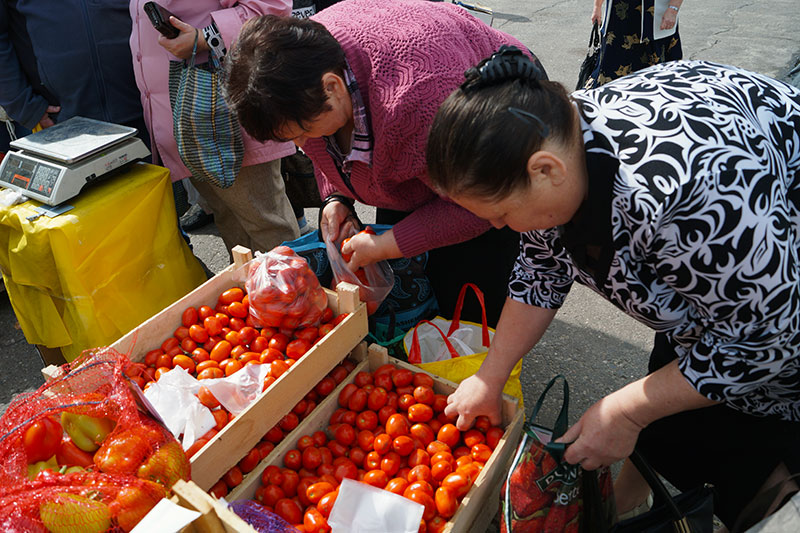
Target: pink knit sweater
[(407, 56)]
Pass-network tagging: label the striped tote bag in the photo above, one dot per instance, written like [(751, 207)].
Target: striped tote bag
[(207, 132)]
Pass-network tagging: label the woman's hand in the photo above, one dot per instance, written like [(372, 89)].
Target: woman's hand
[(366, 249), (608, 430), (181, 46), (331, 223), (46, 121), (603, 435), (597, 12), (669, 19), (475, 397)]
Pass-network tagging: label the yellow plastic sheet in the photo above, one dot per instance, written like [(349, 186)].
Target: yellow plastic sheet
[(85, 278)]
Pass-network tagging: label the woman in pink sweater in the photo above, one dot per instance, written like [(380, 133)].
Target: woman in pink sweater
[(357, 87)]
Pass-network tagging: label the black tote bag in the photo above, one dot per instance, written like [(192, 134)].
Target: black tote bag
[(687, 512)]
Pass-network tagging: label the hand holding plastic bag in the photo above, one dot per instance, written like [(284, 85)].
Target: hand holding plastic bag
[(283, 291), (374, 281)]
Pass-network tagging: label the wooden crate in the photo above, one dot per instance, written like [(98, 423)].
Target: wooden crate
[(243, 433), (480, 504), (215, 517)]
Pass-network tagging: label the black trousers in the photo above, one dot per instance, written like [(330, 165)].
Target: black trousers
[(485, 261), (731, 450)]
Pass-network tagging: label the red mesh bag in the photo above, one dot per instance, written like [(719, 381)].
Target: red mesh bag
[(82, 448), (79, 502), (283, 291)]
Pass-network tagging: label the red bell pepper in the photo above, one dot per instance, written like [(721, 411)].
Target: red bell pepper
[(42, 439), (69, 454), (133, 503), (122, 453)]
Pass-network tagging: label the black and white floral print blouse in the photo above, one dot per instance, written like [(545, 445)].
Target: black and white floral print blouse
[(691, 225)]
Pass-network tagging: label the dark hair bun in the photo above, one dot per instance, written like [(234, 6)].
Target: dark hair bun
[(508, 63)]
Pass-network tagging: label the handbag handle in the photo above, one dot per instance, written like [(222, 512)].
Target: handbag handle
[(194, 49), (594, 36), (211, 56), (456, 322), (560, 426), (647, 472), (415, 354)]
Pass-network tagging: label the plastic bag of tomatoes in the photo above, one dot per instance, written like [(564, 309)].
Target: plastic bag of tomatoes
[(283, 291), (374, 281)]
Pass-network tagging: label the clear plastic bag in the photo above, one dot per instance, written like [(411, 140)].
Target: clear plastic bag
[(374, 281), (283, 291)]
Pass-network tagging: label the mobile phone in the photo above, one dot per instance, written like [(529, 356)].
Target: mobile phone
[(159, 16)]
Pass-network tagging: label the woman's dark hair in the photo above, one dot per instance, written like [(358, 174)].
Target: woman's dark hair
[(486, 130), (275, 73)]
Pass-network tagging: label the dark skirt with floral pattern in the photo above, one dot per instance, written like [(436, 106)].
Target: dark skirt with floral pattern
[(623, 51)]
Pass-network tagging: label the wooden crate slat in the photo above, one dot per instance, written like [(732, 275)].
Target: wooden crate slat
[(215, 517)]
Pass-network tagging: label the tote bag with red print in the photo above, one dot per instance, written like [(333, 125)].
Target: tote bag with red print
[(544, 493)]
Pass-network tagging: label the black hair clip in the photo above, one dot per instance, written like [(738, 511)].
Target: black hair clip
[(530, 118), (508, 63)]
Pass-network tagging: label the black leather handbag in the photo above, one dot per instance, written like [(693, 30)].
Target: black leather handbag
[(687, 512), (592, 57)]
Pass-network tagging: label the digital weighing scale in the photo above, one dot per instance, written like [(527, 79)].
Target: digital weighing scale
[(55, 164)]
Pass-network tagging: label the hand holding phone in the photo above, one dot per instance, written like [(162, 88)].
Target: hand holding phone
[(159, 17)]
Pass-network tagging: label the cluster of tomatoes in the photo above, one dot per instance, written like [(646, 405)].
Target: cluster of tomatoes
[(389, 432), (217, 342), (275, 435)]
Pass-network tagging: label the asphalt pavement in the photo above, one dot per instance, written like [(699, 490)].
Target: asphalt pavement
[(596, 347)]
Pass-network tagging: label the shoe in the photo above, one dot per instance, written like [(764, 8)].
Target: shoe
[(195, 218), (305, 227), (641, 509)]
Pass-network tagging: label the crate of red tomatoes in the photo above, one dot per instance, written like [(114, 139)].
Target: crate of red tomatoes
[(384, 425), (212, 334)]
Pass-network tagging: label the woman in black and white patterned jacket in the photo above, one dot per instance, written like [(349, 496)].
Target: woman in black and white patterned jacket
[(675, 194)]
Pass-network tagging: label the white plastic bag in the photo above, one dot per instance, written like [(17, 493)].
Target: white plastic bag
[(362, 508), (466, 340), (174, 398), (438, 336)]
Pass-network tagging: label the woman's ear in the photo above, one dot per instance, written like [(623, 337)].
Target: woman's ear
[(333, 85), (547, 166)]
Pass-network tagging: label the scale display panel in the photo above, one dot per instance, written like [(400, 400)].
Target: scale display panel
[(29, 174)]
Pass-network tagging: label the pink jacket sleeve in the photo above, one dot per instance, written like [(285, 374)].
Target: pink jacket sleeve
[(229, 20), (436, 224)]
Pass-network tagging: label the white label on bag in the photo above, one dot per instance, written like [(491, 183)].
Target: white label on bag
[(303, 12)]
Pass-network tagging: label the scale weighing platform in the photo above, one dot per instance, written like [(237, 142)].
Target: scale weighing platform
[(53, 165)]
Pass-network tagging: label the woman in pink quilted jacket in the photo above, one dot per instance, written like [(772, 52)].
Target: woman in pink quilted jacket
[(254, 211), (357, 87)]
